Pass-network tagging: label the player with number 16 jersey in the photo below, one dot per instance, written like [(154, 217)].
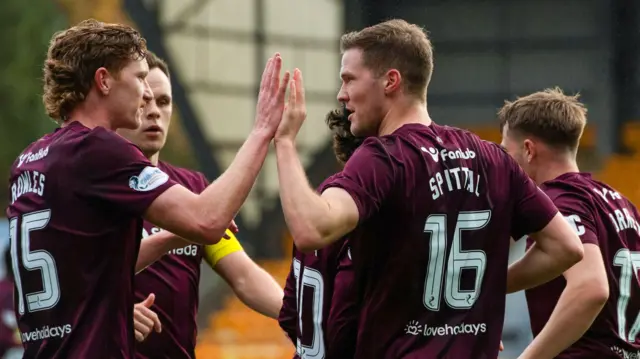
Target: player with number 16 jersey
[(439, 290)]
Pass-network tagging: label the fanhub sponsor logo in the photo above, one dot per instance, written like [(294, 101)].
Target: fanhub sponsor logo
[(457, 154), (46, 332), (414, 328), (446, 154), (32, 157)]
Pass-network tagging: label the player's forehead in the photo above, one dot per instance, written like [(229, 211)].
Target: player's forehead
[(159, 82), (137, 65), (351, 62)]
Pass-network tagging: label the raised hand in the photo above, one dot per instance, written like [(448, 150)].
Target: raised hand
[(271, 97), (295, 111), (144, 319)]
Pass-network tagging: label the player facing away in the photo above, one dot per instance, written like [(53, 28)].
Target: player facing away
[(309, 296), (592, 311), (432, 208), (171, 283), (78, 196)]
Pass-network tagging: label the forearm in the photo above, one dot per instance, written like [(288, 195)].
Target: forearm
[(222, 200), (260, 292), (306, 213), (536, 267), (155, 246), (573, 315)]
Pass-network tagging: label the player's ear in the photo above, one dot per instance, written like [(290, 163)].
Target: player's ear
[(102, 79), (392, 81), (530, 150)]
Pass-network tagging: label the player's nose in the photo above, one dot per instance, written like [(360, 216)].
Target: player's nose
[(342, 95), (147, 94), (151, 110)]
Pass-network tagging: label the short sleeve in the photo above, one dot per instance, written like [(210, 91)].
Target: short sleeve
[(533, 209), (288, 312), (110, 169), (579, 211), (369, 177)]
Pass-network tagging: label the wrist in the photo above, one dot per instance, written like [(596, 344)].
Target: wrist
[(284, 142), (260, 135)]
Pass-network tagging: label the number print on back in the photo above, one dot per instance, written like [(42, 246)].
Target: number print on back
[(40, 260), (436, 226), (311, 278)]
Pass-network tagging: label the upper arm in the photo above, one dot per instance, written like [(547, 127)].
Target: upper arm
[(368, 178), (590, 273), (343, 211), (533, 210), (113, 171), (215, 252), (175, 210)]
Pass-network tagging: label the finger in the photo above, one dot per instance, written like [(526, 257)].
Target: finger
[(142, 321), (156, 324), (139, 336), (291, 102), (501, 346), (299, 86), (283, 87), (275, 74), (148, 302), (141, 327), (234, 227), (266, 74)]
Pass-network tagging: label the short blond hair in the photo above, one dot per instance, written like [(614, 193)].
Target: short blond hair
[(549, 115), (395, 44)]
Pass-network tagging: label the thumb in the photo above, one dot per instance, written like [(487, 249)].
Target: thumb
[(149, 301)]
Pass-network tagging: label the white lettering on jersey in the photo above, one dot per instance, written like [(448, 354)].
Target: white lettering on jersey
[(32, 157), (454, 179), (27, 182), (445, 154), (574, 221), (190, 250)]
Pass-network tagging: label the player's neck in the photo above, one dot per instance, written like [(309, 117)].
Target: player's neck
[(402, 114), (553, 170), (154, 158), (89, 116)]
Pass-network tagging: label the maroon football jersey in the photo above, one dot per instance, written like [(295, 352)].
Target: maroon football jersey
[(10, 344), (76, 200), (174, 279), (600, 216), (437, 209), (309, 299)]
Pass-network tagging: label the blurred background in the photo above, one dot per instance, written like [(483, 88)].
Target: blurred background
[(486, 51)]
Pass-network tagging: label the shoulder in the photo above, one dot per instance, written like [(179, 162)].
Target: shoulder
[(100, 143), (191, 179), (567, 187)]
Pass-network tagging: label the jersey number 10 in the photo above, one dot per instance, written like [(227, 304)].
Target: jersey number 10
[(449, 273), (32, 260)]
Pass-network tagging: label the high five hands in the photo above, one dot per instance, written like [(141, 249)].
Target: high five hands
[(274, 118)]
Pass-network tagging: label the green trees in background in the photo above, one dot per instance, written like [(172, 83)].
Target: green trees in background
[(26, 27)]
